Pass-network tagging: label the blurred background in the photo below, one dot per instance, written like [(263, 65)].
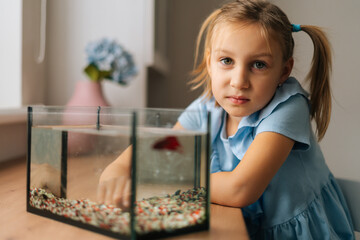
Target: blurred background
[(42, 57)]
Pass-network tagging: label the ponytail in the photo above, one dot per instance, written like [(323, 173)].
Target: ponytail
[(319, 77)]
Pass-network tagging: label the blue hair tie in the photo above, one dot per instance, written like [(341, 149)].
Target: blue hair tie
[(296, 27)]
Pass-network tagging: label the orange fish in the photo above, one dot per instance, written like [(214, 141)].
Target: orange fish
[(170, 143)]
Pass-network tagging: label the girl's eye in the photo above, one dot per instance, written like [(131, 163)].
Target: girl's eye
[(259, 65), (226, 61)]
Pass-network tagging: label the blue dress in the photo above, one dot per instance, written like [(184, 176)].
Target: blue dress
[(303, 200)]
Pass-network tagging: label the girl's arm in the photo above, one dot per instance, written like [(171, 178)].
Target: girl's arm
[(246, 183), (121, 166)]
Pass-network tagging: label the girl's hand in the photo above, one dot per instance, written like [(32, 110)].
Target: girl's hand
[(115, 184), (115, 191)]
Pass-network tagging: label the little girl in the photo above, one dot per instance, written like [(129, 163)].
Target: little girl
[(265, 157)]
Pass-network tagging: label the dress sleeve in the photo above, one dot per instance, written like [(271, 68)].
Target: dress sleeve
[(291, 119)]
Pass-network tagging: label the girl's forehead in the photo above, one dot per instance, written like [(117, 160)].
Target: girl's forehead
[(225, 31)]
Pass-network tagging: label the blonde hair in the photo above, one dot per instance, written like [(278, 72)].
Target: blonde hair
[(273, 22)]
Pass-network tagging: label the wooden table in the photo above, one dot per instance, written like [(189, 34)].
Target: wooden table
[(16, 223)]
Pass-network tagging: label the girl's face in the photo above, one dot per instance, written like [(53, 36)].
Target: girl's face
[(245, 69)]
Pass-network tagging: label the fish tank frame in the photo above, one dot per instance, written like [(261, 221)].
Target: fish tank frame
[(134, 121)]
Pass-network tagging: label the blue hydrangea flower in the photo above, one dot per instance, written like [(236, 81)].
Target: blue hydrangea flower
[(107, 59)]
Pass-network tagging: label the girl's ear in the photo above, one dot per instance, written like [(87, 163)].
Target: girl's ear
[(286, 70)]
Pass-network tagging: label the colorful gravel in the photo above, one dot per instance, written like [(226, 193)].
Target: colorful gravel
[(166, 213)]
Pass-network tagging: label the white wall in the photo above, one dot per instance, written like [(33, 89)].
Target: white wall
[(72, 24), (10, 53), (340, 20)]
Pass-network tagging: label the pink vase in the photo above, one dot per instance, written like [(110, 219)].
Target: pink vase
[(86, 93)]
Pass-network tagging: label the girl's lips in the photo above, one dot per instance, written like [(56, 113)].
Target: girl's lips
[(238, 100)]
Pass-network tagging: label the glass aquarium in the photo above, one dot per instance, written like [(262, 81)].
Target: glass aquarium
[(69, 148)]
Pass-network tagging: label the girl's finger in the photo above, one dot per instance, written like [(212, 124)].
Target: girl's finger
[(101, 193), (127, 194), (118, 191), (110, 186)]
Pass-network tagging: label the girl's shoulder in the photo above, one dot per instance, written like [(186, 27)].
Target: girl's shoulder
[(289, 99), (288, 113), (196, 114)]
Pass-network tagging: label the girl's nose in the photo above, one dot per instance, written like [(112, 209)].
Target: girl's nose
[(240, 78)]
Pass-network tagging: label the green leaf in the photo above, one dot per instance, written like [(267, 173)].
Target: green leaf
[(105, 74), (93, 73)]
